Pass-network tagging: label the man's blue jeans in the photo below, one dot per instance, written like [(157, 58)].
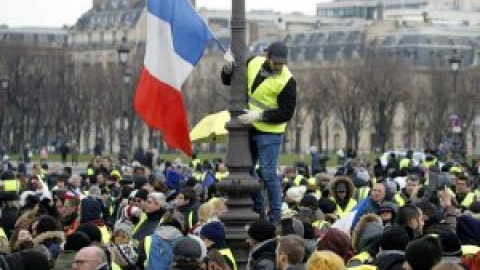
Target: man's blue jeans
[(265, 149)]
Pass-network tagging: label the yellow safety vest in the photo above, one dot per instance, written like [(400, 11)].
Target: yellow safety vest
[(362, 193), (116, 266), (12, 185), (90, 172), (116, 173), (265, 95), (362, 257), (350, 205), (470, 250), (198, 176), (298, 180), (220, 176), (320, 224), (404, 163), (3, 234), (399, 199), (106, 236), (226, 252), (143, 217), (468, 200), (147, 244), (195, 163)]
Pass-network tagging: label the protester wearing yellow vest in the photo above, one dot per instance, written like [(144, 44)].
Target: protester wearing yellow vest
[(271, 104), (341, 193), (404, 195), (464, 194)]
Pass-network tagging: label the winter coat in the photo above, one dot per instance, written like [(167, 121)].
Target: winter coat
[(262, 256), (296, 267), (148, 226), (52, 240), (390, 260), (65, 260)]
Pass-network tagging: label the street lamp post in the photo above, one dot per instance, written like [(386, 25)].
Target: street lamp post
[(123, 52), (455, 63), (239, 185)]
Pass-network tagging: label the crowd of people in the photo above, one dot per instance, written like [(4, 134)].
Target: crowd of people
[(406, 215)]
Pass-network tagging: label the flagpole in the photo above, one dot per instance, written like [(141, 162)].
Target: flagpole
[(239, 185)]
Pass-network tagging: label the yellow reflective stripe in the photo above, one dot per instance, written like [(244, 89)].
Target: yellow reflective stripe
[(399, 199), (3, 234), (106, 236), (220, 176), (190, 219), (146, 246), (351, 204), (143, 217), (298, 180), (468, 200), (319, 224), (363, 193), (228, 253), (90, 172), (11, 185), (362, 257), (116, 266)]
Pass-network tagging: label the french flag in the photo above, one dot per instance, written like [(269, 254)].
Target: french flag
[(176, 40)]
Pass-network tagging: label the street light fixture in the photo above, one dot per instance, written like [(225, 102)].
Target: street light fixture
[(123, 53), (239, 185), (455, 62)]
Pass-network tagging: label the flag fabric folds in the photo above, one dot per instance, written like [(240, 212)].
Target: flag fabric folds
[(176, 39)]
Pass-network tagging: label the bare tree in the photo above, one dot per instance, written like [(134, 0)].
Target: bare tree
[(385, 84), (349, 100)]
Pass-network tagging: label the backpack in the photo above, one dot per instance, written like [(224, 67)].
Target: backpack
[(161, 253)]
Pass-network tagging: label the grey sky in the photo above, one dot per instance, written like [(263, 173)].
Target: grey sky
[(55, 13)]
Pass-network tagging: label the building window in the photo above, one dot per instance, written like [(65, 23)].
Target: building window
[(102, 38), (114, 37), (89, 38)]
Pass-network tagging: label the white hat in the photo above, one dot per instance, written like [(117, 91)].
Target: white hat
[(296, 193), (6, 157)]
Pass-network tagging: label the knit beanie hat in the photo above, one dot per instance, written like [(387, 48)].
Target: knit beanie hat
[(213, 231), (77, 241), (92, 231), (91, 209), (187, 249), (261, 230), (338, 242), (451, 246), (34, 260), (47, 223), (423, 253), (394, 238)]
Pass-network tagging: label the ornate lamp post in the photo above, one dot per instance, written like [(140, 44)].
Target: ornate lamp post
[(239, 186), (123, 52), (455, 63)]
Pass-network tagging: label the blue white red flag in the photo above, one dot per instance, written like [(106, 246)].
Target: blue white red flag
[(176, 39)]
